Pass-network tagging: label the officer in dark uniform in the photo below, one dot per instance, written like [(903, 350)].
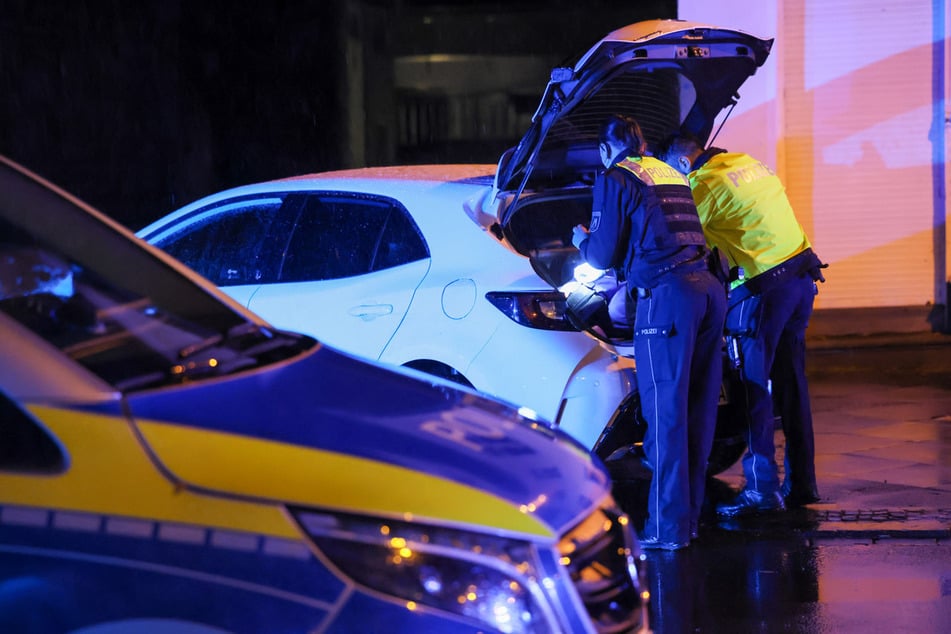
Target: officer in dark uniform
[(645, 225), (746, 214)]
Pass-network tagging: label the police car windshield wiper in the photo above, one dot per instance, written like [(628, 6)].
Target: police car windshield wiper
[(240, 330)]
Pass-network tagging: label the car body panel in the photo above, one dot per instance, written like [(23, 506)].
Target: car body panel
[(360, 318), (452, 435), (447, 321), (468, 477), (67, 570), (585, 390), (128, 484), (243, 293)]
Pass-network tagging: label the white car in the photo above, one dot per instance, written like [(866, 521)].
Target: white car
[(393, 264), (465, 270)]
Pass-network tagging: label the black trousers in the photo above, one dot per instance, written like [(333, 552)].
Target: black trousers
[(771, 330), (678, 340)]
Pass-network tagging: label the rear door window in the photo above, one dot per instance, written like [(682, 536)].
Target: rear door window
[(338, 236)]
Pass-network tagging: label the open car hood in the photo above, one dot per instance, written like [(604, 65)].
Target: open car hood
[(667, 74)]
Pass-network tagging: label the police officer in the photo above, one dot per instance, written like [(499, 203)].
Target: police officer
[(746, 214), (645, 225)]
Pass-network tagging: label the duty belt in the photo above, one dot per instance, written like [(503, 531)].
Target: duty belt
[(796, 266)]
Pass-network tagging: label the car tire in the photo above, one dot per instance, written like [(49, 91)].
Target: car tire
[(620, 445), (729, 440)]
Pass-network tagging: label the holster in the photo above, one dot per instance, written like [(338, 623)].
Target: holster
[(804, 262), (719, 265)]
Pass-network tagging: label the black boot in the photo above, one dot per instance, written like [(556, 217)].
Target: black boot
[(750, 502), (794, 498)]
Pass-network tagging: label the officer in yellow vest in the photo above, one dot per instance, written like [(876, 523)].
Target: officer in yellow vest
[(645, 225), (747, 216)]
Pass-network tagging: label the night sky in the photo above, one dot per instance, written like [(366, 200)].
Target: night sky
[(141, 107)]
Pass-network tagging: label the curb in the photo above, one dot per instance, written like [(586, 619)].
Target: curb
[(879, 524), (877, 340)]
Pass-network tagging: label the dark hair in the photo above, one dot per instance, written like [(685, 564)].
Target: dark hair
[(678, 144), (623, 131)]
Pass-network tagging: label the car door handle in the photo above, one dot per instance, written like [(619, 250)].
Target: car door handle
[(366, 312)]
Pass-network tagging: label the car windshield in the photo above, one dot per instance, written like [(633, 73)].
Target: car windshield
[(106, 301)]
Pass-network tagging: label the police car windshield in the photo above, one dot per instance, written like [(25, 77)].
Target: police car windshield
[(110, 304)]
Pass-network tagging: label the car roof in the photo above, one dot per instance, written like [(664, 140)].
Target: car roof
[(459, 179), (461, 173)]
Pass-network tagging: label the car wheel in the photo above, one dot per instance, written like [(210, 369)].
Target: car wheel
[(621, 444), (624, 433), (729, 440)]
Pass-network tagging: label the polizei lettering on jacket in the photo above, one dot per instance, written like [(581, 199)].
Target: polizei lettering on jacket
[(655, 173), (667, 195), (750, 174)]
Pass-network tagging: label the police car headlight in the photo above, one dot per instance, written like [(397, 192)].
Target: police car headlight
[(489, 580)]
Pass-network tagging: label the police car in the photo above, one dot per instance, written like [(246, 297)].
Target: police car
[(169, 462)]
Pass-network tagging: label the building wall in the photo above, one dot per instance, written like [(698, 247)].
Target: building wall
[(469, 75), (852, 108)]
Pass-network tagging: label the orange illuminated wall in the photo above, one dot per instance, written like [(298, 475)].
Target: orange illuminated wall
[(852, 108)]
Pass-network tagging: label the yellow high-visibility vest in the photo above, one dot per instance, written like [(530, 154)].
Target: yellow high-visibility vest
[(745, 212)]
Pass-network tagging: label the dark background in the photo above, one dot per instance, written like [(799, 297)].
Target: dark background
[(141, 107)]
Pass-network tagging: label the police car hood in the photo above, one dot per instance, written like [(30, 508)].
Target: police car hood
[(331, 431), (669, 75)]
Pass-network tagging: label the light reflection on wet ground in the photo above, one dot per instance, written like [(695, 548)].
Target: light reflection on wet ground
[(741, 582), (874, 555)]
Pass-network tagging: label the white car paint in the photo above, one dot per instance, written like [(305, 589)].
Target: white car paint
[(435, 308)]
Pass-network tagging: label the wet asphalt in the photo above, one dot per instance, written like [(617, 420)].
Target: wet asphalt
[(874, 555)]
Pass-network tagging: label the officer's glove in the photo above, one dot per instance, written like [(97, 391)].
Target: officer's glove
[(578, 235)]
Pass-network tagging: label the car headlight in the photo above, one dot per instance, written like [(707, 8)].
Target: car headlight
[(488, 579)]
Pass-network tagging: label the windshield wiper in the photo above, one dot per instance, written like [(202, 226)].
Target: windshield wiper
[(240, 330)]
